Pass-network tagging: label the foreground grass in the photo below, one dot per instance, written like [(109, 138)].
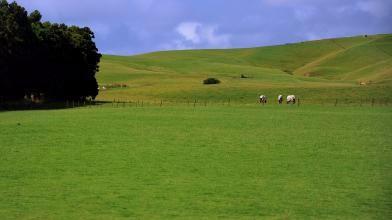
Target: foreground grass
[(206, 162)]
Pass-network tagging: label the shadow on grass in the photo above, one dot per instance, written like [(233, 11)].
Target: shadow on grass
[(27, 106)]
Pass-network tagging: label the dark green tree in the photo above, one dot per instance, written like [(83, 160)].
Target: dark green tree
[(44, 58), (16, 42)]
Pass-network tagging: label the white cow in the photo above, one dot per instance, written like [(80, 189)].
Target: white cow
[(280, 99), (263, 99), (291, 99)]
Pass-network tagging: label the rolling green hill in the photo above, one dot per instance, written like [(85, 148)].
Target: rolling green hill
[(314, 70)]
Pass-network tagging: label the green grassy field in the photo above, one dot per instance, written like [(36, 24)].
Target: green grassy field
[(316, 71), (213, 159), (242, 162)]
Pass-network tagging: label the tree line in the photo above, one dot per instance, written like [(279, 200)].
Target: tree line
[(46, 59)]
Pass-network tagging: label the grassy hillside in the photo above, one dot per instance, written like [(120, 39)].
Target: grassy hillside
[(276, 162), (313, 70), (129, 161)]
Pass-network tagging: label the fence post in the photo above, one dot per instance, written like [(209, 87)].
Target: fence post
[(161, 103), (229, 102), (336, 102), (373, 102), (194, 104), (298, 102)]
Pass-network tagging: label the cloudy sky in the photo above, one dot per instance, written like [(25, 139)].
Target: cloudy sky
[(140, 26)]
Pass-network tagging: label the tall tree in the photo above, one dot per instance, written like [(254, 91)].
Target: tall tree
[(43, 58), (16, 40)]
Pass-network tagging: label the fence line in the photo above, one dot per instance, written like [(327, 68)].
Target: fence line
[(117, 103), (229, 102)]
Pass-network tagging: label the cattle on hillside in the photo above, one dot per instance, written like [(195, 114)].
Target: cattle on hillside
[(263, 99), (290, 99), (280, 99)]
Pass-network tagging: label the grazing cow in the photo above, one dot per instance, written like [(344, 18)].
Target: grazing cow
[(263, 99), (291, 99), (280, 99)]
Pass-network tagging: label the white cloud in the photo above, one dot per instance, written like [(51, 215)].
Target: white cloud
[(195, 34), (215, 39), (190, 31)]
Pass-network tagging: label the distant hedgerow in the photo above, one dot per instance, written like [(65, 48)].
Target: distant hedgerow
[(211, 81)]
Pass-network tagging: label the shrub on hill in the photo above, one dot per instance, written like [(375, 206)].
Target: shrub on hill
[(37, 57), (211, 81)]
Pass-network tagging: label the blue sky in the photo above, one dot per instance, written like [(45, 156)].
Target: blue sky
[(139, 26)]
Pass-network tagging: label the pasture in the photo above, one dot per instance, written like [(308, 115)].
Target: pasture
[(316, 71), (176, 148), (230, 162)]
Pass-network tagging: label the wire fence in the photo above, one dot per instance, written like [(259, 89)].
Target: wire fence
[(9, 106), (240, 102)]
